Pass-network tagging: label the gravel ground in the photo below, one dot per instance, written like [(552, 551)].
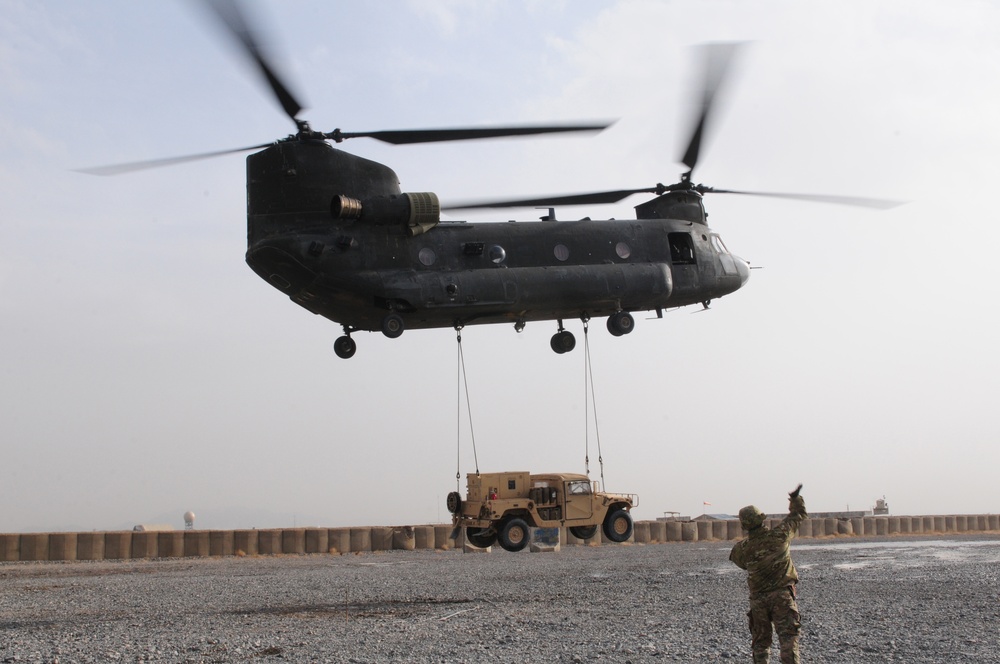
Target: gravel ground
[(898, 599)]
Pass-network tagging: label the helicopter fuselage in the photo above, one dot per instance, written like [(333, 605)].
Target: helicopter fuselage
[(334, 232)]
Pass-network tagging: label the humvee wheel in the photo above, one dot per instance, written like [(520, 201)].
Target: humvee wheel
[(618, 525), (481, 537), (513, 535), (583, 532), (454, 502)]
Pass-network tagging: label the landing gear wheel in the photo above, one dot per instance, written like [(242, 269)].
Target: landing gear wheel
[(484, 538), (392, 326), (454, 502), (620, 323), (345, 347), (563, 342), (618, 525), (583, 532), (513, 535)]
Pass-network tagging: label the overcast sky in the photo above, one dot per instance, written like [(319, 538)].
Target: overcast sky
[(147, 371)]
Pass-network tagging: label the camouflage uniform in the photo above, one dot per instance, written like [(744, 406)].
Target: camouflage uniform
[(772, 578)]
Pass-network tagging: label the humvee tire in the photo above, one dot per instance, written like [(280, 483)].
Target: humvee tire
[(483, 538), (514, 534), (618, 525), (583, 532), (454, 502)]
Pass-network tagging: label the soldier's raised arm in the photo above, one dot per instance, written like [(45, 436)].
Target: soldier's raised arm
[(796, 503), (796, 510)]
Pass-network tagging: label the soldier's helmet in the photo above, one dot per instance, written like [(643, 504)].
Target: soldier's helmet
[(751, 517)]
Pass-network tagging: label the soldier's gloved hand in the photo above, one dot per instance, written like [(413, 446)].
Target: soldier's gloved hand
[(797, 504)]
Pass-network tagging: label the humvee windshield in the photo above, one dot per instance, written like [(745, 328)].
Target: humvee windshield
[(577, 488)]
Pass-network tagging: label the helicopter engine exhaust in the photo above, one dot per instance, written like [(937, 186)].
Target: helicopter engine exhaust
[(418, 212)]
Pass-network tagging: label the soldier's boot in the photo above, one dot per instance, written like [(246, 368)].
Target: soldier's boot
[(761, 656)]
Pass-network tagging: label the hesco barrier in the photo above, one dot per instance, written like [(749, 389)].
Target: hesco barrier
[(124, 545)]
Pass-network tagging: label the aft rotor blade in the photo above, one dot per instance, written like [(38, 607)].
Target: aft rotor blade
[(119, 169), (236, 21), (717, 60), (856, 201), (594, 198), (408, 136)]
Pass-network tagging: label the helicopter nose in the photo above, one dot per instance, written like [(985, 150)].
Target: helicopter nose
[(743, 269)]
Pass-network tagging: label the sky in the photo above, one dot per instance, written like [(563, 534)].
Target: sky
[(147, 371)]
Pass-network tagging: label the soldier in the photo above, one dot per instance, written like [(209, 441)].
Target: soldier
[(771, 578)]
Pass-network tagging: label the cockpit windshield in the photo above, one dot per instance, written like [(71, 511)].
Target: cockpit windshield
[(719, 245)]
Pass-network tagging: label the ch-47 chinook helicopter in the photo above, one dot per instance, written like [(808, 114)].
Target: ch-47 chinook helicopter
[(335, 233)]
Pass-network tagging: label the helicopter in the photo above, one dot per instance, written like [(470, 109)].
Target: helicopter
[(335, 233)]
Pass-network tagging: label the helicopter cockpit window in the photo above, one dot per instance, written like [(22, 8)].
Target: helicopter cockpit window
[(578, 488), (561, 252), (427, 256), (681, 248), (719, 245)]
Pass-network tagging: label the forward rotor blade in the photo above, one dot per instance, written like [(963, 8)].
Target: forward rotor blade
[(717, 59), (119, 169), (856, 201), (594, 198), (236, 21), (409, 136)]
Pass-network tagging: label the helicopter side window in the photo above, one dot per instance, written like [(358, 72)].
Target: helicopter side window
[(681, 248), (427, 256)]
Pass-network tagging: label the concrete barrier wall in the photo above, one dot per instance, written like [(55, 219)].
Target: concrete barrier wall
[(220, 543), (122, 545), (245, 542), (118, 545), (269, 542), (90, 546), (144, 545), (293, 541), (62, 546), (35, 546), (170, 544), (339, 540), (361, 540), (10, 547), (381, 539), (317, 540), (640, 532), (657, 532)]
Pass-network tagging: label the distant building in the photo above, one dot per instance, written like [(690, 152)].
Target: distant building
[(151, 527), (673, 516)]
